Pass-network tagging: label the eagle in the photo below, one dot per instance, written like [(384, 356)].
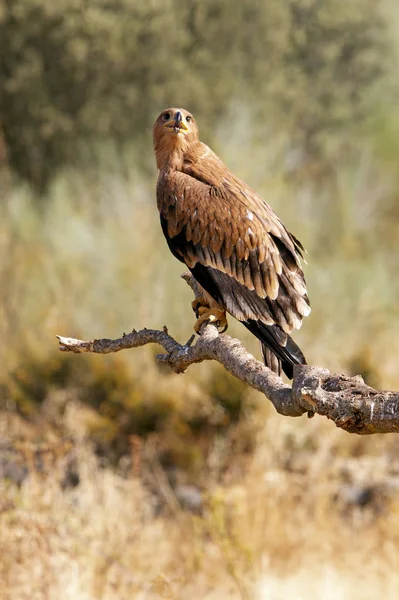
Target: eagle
[(239, 252)]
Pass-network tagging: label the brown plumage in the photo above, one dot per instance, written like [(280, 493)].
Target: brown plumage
[(230, 238)]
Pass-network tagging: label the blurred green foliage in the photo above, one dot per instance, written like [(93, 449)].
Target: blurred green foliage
[(75, 74)]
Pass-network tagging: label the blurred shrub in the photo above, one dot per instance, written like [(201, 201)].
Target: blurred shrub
[(227, 392), (75, 74), (363, 363), (123, 403)]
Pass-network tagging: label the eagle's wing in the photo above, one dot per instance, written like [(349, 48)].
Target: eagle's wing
[(234, 244)]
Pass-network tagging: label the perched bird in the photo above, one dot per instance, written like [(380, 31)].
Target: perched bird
[(237, 249)]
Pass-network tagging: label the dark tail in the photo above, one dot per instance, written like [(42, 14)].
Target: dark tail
[(279, 350)]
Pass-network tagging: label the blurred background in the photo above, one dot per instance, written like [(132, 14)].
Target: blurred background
[(119, 479)]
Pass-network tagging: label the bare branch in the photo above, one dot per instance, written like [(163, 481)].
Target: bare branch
[(348, 401)]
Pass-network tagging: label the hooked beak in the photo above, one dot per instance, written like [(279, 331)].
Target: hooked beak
[(178, 119), (177, 124)]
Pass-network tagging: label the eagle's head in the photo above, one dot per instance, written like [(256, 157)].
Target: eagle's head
[(174, 131)]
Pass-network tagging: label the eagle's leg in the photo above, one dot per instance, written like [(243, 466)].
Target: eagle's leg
[(209, 311)]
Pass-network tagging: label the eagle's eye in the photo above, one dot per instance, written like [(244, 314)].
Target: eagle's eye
[(188, 119), (165, 116)]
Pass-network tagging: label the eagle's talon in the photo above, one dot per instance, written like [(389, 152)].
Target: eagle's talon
[(225, 328), (211, 315)]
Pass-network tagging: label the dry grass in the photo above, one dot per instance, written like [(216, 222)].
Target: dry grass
[(285, 528)]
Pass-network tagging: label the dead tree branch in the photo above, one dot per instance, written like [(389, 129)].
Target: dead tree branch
[(348, 401)]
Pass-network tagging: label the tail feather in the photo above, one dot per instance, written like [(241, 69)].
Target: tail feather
[(270, 359), (278, 349)]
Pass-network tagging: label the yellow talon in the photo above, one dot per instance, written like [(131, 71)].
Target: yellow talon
[(213, 315)]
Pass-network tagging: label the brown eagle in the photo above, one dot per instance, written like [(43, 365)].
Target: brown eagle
[(234, 244)]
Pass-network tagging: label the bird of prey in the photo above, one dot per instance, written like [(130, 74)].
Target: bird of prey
[(237, 249)]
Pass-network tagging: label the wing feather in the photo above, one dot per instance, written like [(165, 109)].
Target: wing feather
[(241, 249)]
